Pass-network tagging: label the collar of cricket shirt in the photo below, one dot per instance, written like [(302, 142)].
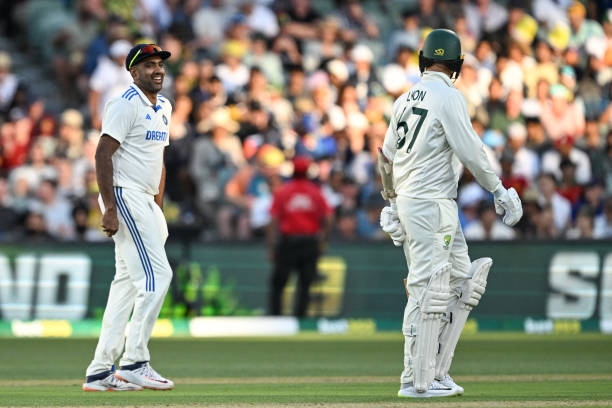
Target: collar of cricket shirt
[(145, 99), (436, 74)]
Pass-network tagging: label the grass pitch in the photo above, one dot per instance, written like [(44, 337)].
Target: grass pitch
[(496, 370)]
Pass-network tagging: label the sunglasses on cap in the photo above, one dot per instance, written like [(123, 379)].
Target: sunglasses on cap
[(147, 49)]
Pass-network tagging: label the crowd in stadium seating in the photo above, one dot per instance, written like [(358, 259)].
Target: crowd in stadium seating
[(254, 83)]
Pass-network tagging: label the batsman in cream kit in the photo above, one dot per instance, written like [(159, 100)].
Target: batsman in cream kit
[(429, 137), (131, 178)]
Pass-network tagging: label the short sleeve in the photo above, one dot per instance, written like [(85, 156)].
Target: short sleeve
[(118, 118)]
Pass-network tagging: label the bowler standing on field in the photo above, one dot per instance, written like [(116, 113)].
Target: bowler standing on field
[(429, 131), (131, 176)]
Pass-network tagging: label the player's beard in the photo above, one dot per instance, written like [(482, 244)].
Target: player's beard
[(150, 86)]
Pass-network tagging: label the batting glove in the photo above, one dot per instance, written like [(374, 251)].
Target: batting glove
[(508, 203), (390, 223)]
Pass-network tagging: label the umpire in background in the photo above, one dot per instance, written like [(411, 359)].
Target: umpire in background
[(300, 222)]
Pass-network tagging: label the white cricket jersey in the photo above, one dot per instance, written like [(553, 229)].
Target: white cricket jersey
[(142, 130), (429, 124)]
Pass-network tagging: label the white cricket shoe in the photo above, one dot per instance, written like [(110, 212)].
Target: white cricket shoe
[(145, 376), (449, 382), (436, 389), (107, 381)]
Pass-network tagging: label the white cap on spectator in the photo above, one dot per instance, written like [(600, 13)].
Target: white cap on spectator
[(72, 118), (471, 195), (362, 52), (120, 48), (517, 131), (531, 108), (337, 118), (471, 61), (394, 79), (596, 47), (357, 120), (338, 69)]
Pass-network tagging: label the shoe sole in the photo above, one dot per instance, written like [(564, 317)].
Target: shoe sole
[(108, 389), (144, 386), (426, 394)]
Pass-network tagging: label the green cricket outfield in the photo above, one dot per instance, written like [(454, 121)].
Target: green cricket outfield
[(313, 370)]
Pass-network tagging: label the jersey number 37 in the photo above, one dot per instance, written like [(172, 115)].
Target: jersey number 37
[(401, 140)]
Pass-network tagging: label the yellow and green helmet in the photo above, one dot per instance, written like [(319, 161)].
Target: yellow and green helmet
[(442, 46)]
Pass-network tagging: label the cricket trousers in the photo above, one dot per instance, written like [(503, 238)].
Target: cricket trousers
[(142, 278), (433, 239)]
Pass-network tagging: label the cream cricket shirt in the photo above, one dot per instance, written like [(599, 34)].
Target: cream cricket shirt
[(141, 128), (430, 123)]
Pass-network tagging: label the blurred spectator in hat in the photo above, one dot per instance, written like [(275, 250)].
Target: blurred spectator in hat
[(526, 161), (211, 166), (488, 227), (484, 16), (71, 135), (549, 196), (508, 177), (562, 117), (593, 197), (338, 75), (408, 35), (209, 22), (232, 72), (545, 68), (568, 187), (564, 148), (259, 17), (394, 80), (364, 76), (268, 63), (8, 84), (299, 19), (108, 80), (494, 143), (355, 22), (583, 227), (470, 194), (56, 210), (582, 28), (603, 222), (325, 46)]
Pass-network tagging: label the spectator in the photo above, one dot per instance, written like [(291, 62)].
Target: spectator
[(408, 36), (603, 222), (526, 162), (55, 210), (355, 22), (582, 28), (583, 227), (109, 79), (568, 187), (259, 18), (564, 148), (484, 16), (559, 207), (562, 117), (209, 23), (488, 226)]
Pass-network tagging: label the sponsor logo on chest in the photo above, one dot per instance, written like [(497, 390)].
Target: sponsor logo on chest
[(156, 135)]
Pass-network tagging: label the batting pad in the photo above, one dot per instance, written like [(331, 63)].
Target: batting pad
[(433, 305), (470, 293)]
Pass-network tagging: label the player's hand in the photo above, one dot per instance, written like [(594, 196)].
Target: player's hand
[(390, 223), (110, 222), (508, 203)]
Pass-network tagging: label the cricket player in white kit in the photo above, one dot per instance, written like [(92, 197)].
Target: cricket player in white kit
[(131, 178), (429, 134)]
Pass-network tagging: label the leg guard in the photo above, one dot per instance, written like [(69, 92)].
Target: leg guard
[(468, 297), (432, 306)]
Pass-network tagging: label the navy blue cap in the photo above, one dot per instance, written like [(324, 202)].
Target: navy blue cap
[(143, 51)]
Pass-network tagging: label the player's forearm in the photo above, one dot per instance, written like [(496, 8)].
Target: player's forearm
[(159, 197)]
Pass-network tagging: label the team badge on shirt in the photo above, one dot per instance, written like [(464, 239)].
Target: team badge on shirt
[(447, 240), (165, 119)]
